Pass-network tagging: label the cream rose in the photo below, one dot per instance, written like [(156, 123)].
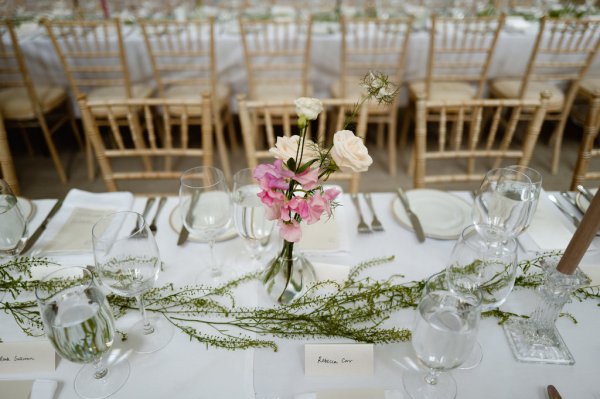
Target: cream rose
[(308, 107), (287, 147), (350, 153)]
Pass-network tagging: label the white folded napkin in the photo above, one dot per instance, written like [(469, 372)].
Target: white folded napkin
[(370, 393), (70, 230), (43, 389), (548, 228), (327, 235), (27, 389)]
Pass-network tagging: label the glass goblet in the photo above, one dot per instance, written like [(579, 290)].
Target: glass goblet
[(79, 323), (205, 206), (13, 225), (128, 263), (477, 264), (443, 337), (250, 213), (502, 202), (536, 188)]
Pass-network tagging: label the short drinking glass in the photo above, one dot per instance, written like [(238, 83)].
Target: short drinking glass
[(13, 226)]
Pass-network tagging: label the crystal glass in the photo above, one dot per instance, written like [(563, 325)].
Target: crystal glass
[(535, 190), (503, 202), (478, 264), (13, 226), (249, 213), (128, 263), (443, 337), (79, 323), (205, 207)]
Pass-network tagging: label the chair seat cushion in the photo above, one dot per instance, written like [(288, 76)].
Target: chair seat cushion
[(509, 88), (443, 90), (191, 92), (590, 87), (15, 102), (117, 93), (280, 91)]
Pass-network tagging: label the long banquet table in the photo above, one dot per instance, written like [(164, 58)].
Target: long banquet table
[(186, 369)]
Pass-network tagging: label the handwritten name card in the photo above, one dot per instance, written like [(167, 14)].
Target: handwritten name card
[(27, 357), (342, 360)]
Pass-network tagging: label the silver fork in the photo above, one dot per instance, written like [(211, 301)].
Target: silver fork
[(375, 224), (147, 207), (161, 203), (362, 226)]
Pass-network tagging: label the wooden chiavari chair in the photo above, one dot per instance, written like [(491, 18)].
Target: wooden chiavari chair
[(183, 61), (283, 113), (588, 160), (7, 167), (476, 144), (24, 103), (370, 44), (562, 54), (277, 57), (158, 152)]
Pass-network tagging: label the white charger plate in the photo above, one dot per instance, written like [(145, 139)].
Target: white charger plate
[(582, 202), (443, 216), (176, 224), (26, 207)]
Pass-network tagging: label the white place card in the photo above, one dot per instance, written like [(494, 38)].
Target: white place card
[(76, 233), (352, 394), (341, 360), (27, 357)]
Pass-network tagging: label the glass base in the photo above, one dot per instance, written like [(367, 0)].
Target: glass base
[(89, 387), (148, 343), (533, 345), (417, 388), (474, 358)]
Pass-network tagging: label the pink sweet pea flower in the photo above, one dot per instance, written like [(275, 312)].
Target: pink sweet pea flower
[(272, 176), (308, 179), (316, 205), (300, 206), (331, 193), (290, 231)]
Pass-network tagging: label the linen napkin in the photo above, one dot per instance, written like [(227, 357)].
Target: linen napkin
[(352, 394), (327, 235), (70, 230), (548, 229), (27, 389)]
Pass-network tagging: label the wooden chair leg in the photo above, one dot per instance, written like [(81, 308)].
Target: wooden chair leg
[(590, 132), (52, 150), (407, 117), (392, 145), (380, 132), (25, 135), (222, 148), (231, 133), (6, 162)]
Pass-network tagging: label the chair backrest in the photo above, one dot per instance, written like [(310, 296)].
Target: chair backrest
[(7, 168), (91, 52), (481, 137), (373, 44), (563, 52), (155, 141), (587, 166), (258, 138), (276, 53), (181, 53), (461, 49)]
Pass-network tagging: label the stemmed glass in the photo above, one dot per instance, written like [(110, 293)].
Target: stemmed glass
[(79, 323), (13, 225), (128, 263), (535, 189), (443, 337), (503, 202), (249, 213), (205, 206)]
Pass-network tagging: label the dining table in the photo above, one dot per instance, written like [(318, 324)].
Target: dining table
[(187, 368)]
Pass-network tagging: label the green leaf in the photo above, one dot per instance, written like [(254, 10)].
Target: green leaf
[(306, 165), (291, 164)]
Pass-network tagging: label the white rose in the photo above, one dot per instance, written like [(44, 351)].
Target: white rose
[(310, 108), (349, 152), (287, 147)]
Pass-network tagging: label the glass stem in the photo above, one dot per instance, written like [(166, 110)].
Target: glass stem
[(215, 269), (148, 328), (100, 370), (432, 377)]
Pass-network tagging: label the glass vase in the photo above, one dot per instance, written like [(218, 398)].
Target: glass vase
[(288, 275)]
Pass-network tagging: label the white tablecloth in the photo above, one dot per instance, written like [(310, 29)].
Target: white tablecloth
[(187, 369)]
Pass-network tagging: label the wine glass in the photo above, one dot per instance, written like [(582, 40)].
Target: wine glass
[(128, 263), (249, 213), (477, 264), (13, 225), (205, 206), (79, 323), (443, 337), (536, 188), (503, 203)]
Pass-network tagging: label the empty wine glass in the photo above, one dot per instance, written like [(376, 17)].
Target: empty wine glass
[(536, 188), (477, 264), (79, 323), (249, 213), (205, 206), (13, 225), (502, 202), (128, 263), (444, 334)]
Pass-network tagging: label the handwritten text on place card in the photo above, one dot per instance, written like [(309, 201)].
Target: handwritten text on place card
[(27, 357), (325, 360)]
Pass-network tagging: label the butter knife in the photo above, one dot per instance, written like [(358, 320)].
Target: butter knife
[(553, 392), (586, 193), (414, 220), (42, 227)]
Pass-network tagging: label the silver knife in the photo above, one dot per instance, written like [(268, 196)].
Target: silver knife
[(564, 210), (42, 227), (183, 235), (586, 193), (414, 220)]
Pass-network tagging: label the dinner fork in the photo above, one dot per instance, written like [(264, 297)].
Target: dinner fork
[(161, 203), (362, 226), (375, 224), (147, 207)]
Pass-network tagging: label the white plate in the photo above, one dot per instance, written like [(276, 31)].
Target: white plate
[(443, 216), (582, 202), (26, 207), (175, 222)]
